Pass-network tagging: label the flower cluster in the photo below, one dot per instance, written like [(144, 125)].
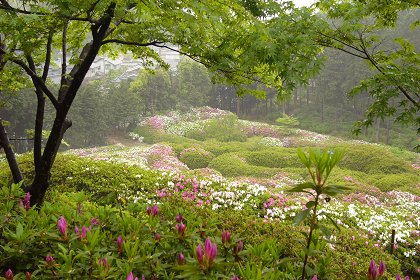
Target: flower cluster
[(272, 142), (207, 258)]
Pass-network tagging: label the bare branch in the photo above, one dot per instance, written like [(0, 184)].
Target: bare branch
[(117, 41), (64, 51), (6, 6), (37, 81), (47, 58)]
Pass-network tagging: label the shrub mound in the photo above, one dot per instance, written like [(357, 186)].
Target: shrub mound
[(235, 165), (196, 157), (373, 159)]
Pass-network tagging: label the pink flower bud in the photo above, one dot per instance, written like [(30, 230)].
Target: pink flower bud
[(9, 274), (120, 242), (62, 226), (398, 277), (130, 276), (199, 251), (155, 210), (382, 268), (28, 275), (157, 237), (225, 237), (94, 221), (372, 271), (314, 277), (235, 277), (181, 259), (49, 260), (103, 263), (83, 235), (179, 218), (181, 228), (239, 247), (27, 201)]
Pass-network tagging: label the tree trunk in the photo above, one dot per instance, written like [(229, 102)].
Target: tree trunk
[(10, 155), (322, 107), (378, 127)]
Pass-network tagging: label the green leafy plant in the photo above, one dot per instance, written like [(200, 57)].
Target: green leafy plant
[(319, 165), (287, 120)]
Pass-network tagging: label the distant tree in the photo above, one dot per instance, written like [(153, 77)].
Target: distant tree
[(361, 29), (194, 84), (154, 91)]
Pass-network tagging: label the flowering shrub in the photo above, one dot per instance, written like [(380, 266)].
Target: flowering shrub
[(272, 142), (246, 217)]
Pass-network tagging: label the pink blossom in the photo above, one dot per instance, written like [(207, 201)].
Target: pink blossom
[(62, 226), (382, 268), (181, 259), (49, 260), (372, 271), (9, 274), (120, 242)]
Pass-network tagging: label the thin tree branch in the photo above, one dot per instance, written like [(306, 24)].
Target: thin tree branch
[(6, 6), (37, 81), (64, 52), (340, 41), (47, 58), (117, 41), (375, 64)]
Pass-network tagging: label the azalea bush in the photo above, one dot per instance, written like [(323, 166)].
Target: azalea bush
[(166, 238), (144, 211)]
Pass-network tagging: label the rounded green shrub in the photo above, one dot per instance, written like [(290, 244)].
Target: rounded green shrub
[(226, 129), (196, 157), (402, 182), (234, 165), (274, 158), (373, 159), (196, 134)]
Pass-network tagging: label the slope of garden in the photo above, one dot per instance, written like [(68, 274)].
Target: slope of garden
[(203, 174)]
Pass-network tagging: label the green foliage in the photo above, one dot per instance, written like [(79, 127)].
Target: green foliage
[(234, 165), (226, 129), (196, 158), (287, 120), (103, 180), (268, 252), (373, 159), (351, 247), (153, 136), (319, 165), (273, 158), (360, 32), (407, 182)]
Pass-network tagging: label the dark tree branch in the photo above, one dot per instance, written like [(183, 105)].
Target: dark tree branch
[(377, 66), (64, 51), (10, 155), (31, 63), (122, 42), (341, 42), (47, 58), (324, 44), (6, 6), (37, 81)]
